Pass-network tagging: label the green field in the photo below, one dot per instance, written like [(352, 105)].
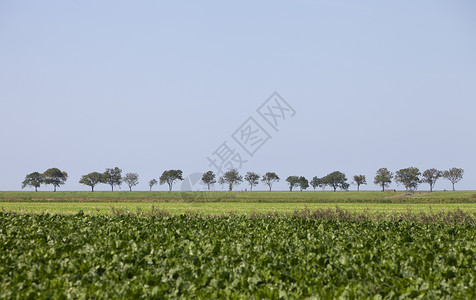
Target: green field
[(220, 208), (239, 196), (83, 256), (237, 202), (274, 245)]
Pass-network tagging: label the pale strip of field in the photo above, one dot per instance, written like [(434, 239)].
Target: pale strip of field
[(219, 208)]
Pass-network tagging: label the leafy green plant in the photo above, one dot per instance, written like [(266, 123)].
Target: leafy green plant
[(127, 255)]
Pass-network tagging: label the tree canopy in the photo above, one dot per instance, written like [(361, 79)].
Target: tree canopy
[(34, 179), (454, 175), (269, 178), (303, 183), (55, 176), (430, 176), (359, 180), (409, 177), (252, 179), (113, 177), (383, 178), (91, 179), (209, 178), (131, 179), (336, 180), (170, 177), (232, 178), (152, 182), (293, 181), (317, 182)]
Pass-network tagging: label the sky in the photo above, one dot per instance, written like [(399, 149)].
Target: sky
[(149, 86)]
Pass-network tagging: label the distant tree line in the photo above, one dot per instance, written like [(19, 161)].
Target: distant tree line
[(410, 178)]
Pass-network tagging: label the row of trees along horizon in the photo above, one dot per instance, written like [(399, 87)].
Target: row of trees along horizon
[(408, 177)]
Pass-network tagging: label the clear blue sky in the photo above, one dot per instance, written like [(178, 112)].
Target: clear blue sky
[(149, 86)]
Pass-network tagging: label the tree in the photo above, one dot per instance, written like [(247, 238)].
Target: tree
[(34, 179), (55, 176), (409, 177), (252, 178), (131, 179), (112, 177), (170, 177), (231, 178), (152, 182), (430, 176), (293, 182), (303, 183), (454, 175), (317, 182), (383, 178), (269, 178), (359, 180), (336, 180), (209, 178), (91, 179)]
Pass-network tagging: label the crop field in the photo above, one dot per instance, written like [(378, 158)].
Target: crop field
[(240, 196), (85, 256), (273, 245), (212, 208)]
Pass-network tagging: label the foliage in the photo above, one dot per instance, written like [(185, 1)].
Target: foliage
[(303, 183), (232, 178), (359, 180), (317, 182), (293, 182), (170, 177), (209, 179), (131, 179), (125, 256), (409, 177), (92, 179), (34, 179), (430, 176), (269, 178), (383, 178), (55, 176), (152, 182), (336, 180), (454, 175), (252, 179), (112, 177)]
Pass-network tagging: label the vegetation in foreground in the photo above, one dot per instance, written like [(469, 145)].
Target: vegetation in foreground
[(44, 256)]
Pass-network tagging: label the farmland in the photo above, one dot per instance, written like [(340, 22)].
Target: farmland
[(237, 245), (243, 196), (128, 256), (237, 202)]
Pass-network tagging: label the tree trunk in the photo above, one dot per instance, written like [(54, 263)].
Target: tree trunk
[(431, 188), (112, 187), (150, 188), (383, 187), (453, 186), (230, 187), (92, 188), (208, 187), (335, 188), (54, 188), (36, 189), (170, 187), (251, 188), (130, 189), (358, 187), (269, 188)]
